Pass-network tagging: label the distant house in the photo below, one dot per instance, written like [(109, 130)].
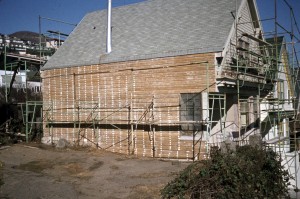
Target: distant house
[(19, 82), (54, 43), (28, 43), (13, 44), (21, 47), (182, 75)]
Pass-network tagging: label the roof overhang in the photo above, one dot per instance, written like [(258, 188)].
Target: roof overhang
[(248, 85), (26, 58), (279, 115)]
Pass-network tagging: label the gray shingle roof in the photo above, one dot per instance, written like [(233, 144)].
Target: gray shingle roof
[(150, 29)]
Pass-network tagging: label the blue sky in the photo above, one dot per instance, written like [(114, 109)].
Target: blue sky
[(17, 15), (285, 20)]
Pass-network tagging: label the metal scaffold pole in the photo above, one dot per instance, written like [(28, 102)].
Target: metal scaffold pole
[(27, 108), (6, 93)]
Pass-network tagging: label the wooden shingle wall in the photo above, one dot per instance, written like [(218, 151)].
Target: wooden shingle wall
[(126, 107), (244, 25)]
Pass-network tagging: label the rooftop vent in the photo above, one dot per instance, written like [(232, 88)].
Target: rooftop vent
[(108, 38)]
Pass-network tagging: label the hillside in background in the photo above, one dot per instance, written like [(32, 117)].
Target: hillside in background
[(28, 36)]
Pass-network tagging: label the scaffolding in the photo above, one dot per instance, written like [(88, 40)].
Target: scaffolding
[(28, 67), (254, 71), (250, 62), (275, 113)]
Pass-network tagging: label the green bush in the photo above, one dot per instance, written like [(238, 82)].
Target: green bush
[(247, 172)]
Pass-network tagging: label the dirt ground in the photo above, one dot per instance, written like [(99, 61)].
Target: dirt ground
[(37, 171)]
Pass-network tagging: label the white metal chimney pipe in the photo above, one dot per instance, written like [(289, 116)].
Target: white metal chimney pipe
[(108, 38)]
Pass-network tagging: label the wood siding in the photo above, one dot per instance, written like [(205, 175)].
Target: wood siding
[(98, 104), (244, 25)]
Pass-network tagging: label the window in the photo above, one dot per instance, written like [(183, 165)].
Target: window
[(216, 109), (280, 128), (280, 88), (243, 47), (249, 113), (198, 107), (244, 111), (289, 96), (190, 110)]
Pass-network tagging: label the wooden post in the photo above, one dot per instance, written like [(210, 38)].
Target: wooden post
[(74, 105), (131, 124), (129, 130), (153, 127)]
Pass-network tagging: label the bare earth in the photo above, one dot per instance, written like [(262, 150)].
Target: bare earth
[(42, 172)]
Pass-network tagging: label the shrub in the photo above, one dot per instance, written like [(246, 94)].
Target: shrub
[(247, 172)]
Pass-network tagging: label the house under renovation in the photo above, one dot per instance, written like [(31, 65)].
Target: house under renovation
[(162, 78)]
